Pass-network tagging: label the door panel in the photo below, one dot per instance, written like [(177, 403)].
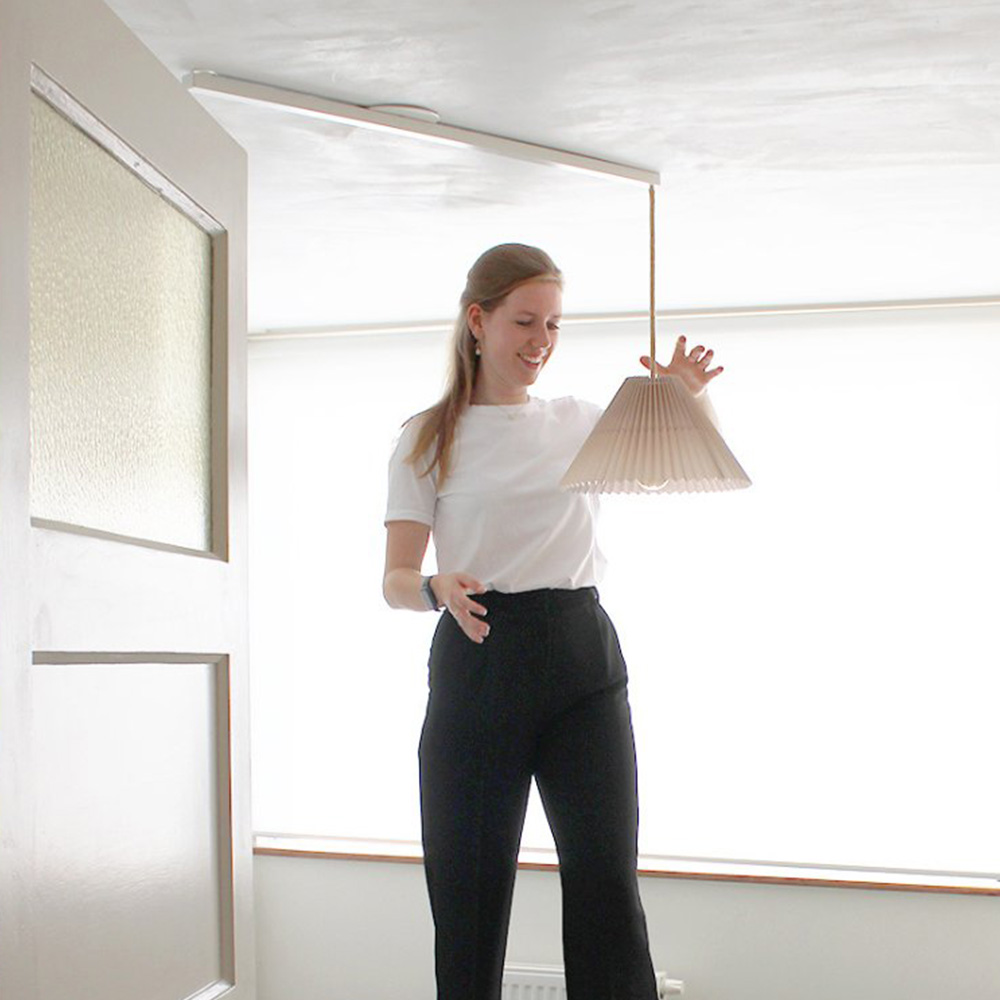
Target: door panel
[(132, 827)]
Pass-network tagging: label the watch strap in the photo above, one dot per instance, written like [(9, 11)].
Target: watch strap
[(427, 593)]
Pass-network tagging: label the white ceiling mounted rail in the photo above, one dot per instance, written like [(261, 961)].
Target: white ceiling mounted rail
[(312, 105)]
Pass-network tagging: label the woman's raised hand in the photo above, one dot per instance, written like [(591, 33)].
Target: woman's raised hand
[(690, 366), (453, 590)]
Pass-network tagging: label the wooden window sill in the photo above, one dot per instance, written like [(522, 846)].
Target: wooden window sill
[(650, 866)]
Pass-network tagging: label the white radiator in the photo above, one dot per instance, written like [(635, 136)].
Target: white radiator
[(547, 982)]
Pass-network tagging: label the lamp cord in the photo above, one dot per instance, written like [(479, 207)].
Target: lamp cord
[(652, 282)]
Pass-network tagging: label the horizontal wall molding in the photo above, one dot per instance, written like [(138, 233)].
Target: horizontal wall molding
[(827, 308)]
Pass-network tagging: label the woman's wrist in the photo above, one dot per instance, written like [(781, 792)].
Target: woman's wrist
[(428, 594)]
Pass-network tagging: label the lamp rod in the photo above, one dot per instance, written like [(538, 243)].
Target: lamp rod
[(652, 281), (315, 106)]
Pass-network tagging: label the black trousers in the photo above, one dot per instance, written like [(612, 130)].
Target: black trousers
[(545, 697)]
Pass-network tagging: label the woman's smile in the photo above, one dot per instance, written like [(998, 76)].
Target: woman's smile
[(533, 359)]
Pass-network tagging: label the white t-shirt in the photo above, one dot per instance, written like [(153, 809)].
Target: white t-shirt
[(500, 515)]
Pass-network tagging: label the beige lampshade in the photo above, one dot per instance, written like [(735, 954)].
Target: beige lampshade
[(654, 438)]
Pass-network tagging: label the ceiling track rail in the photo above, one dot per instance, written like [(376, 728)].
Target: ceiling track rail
[(316, 106)]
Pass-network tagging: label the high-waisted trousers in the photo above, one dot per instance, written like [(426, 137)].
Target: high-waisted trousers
[(543, 696)]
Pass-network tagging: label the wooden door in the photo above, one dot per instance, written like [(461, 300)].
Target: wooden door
[(125, 842)]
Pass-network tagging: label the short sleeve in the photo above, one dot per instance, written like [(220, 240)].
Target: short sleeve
[(411, 497), (705, 405), (589, 412)]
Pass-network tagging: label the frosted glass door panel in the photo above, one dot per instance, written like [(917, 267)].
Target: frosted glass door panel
[(121, 319)]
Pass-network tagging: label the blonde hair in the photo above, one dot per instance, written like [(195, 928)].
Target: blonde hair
[(491, 279)]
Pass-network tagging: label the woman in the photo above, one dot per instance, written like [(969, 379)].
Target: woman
[(526, 675)]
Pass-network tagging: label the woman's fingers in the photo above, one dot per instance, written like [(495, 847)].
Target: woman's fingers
[(691, 366), (469, 616), (471, 586), (647, 363), (474, 627), (466, 612)]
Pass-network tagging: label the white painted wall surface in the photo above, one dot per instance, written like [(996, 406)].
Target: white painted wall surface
[(354, 930)]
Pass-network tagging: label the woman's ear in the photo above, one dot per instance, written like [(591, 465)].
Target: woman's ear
[(474, 317)]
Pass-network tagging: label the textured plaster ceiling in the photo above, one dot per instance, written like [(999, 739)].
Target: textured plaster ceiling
[(810, 151)]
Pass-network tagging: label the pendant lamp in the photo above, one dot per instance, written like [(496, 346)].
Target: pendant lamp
[(654, 437)]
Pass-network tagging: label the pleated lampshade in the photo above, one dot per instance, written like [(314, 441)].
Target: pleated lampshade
[(654, 438)]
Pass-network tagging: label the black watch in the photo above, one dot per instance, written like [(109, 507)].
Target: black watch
[(427, 593)]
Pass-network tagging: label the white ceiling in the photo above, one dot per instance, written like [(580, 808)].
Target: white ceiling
[(811, 150)]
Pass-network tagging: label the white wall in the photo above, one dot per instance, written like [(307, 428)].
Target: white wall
[(356, 930)]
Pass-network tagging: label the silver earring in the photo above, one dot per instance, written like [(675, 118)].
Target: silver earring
[(479, 350)]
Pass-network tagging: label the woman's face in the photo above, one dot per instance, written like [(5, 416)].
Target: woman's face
[(515, 341)]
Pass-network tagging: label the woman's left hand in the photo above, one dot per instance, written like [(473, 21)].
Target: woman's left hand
[(690, 366)]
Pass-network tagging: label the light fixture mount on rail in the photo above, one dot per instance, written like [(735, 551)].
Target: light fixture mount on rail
[(396, 119)]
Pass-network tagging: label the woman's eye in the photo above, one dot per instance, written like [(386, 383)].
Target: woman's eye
[(553, 326), (523, 322)]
